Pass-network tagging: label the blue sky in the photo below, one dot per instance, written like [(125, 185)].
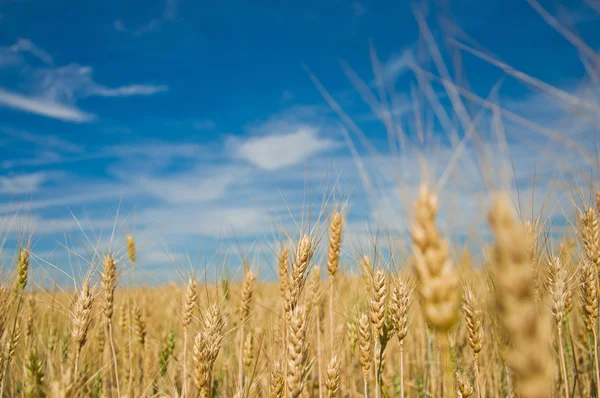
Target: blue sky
[(192, 119)]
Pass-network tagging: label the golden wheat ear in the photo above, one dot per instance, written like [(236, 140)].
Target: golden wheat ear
[(528, 355)]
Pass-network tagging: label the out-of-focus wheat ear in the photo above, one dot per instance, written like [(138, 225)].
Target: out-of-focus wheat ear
[(378, 319), (589, 305), (247, 293), (81, 318), (528, 355), (437, 278), (589, 233), (299, 267), (566, 251), (30, 317), (314, 311), (558, 291), (33, 383), (378, 301), (4, 297), (400, 305), (365, 346), (123, 320), (333, 377), (598, 201), (108, 283), (474, 321), (333, 263), (100, 338), (283, 265), (201, 363), (189, 302), (246, 302), (589, 294), (249, 350), (463, 386), (13, 342), (297, 275), (22, 269), (335, 243), (277, 381), (139, 325), (314, 295), (352, 334), (297, 351), (81, 315), (207, 345), (131, 249), (21, 283)]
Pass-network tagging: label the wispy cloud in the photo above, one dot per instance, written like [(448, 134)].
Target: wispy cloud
[(22, 183), (54, 91), (44, 107), (13, 55), (169, 14), (191, 187), (125, 91), (47, 141)]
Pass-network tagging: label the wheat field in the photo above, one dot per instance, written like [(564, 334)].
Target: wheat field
[(522, 321), (515, 317)]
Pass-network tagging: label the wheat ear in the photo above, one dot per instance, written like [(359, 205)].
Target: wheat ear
[(528, 355)]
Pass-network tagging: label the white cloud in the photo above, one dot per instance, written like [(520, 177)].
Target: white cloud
[(211, 221), (13, 55), (71, 82), (153, 150), (54, 91), (22, 183), (125, 91), (98, 193), (44, 107), (169, 15), (282, 149), (190, 187)]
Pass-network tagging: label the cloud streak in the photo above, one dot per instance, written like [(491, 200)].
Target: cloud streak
[(44, 107), (54, 91), (13, 55)]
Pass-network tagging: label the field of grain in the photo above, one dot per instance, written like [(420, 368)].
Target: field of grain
[(522, 320), (517, 316)]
